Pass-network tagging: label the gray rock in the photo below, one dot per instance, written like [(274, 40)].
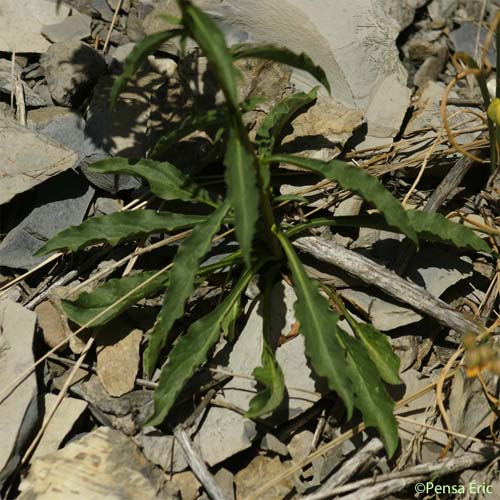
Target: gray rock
[(19, 412), (21, 22), (403, 11), (162, 450), (30, 159), (71, 70), (30, 96), (58, 204), (66, 416), (74, 27), (442, 9), (103, 8), (464, 40), (61, 124)]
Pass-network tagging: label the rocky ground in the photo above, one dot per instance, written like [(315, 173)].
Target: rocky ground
[(388, 62)]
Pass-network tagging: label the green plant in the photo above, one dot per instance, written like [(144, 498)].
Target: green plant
[(357, 366)]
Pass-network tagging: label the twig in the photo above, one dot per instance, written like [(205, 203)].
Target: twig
[(20, 102), (197, 465), (113, 22), (385, 484), (387, 281), (348, 469)]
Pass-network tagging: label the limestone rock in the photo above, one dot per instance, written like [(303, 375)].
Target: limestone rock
[(74, 27), (71, 70)]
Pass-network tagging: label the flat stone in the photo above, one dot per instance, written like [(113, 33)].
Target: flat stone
[(71, 70), (74, 27), (188, 485), (29, 159), (118, 356), (22, 21), (19, 412), (61, 124), (102, 464), (53, 327), (63, 421), (58, 204), (258, 472), (161, 449), (300, 445)]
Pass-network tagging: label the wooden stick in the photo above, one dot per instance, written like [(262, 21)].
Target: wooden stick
[(389, 282)]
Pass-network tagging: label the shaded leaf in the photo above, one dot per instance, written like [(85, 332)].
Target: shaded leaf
[(284, 56), (269, 374), (434, 226), (166, 181), (212, 42), (380, 351), (370, 394), (243, 193), (190, 124), (229, 322), (191, 351), (142, 49), (277, 119), (359, 182), (117, 228), (318, 325), (182, 281), (120, 293)]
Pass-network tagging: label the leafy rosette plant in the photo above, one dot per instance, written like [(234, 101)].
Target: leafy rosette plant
[(356, 366)]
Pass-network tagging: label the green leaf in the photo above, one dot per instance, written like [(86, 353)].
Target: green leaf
[(191, 351), (243, 193), (370, 394), (166, 181), (359, 182), (380, 351), (318, 325), (213, 44), (190, 124), (142, 49), (182, 281), (277, 119), (284, 56), (136, 287), (229, 322), (434, 226), (273, 380), (117, 228), (269, 374)]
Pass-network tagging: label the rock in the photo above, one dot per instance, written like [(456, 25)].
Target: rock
[(106, 206), (442, 9), (66, 416), (30, 159), (61, 124), (58, 204), (21, 24), (403, 11), (383, 315), (464, 40), (360, 58), (258, 472), (30, 96), (74, 27), (271, 443), (19, 412), (103, 9), (162, 450), (50, 321), (71, 70), (232, 432), (187, 484), (118, 356), (300, 445), (104, 463), (225, 480), (322, 130), (350, 206), (431, 68)]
